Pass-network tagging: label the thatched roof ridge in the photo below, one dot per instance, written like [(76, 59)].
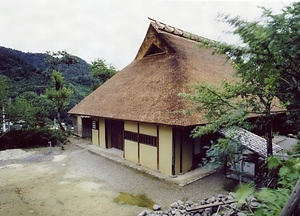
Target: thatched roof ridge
[(147, 89), (179, 32)]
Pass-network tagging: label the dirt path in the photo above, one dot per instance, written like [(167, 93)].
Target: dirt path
[(76, 182), (43, 184)]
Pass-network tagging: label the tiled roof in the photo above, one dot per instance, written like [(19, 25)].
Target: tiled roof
[(249, 140), (179, 32)]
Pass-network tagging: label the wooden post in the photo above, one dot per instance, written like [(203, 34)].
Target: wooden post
[(50, 145), (293, 201), (191, 209), (256, 166)]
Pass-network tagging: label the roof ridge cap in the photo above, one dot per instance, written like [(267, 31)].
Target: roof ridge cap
[(179, 32)]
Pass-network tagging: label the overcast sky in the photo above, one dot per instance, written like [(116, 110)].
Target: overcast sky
[(111, 29)]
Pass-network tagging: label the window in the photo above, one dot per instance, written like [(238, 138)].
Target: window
[(95, 125), (149, 140), (141, 138), (130, 136)]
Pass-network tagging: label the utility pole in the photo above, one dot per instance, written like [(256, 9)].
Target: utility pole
[(8, 116)]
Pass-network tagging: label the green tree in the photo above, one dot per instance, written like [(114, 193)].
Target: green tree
[(56, 59), (22, 110), (101, 72), (284, 51), (272, 200), (274, 41), (31, 108), (266, 68), (59, 95), (42, 107), (3, 90)]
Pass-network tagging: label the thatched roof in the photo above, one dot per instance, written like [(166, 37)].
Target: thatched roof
[(147, 90)]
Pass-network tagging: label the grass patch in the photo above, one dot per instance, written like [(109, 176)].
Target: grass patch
[(141, 200)]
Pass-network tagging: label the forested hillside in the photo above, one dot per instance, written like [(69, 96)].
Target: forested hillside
[(37, 90), (29, 72)]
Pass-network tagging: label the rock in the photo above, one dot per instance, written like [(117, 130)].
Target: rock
[(250, 198), (182, 211), (225, 198), (291, 136), (220, 195), (156, 207), (174, 211), (190, 202), (208, 210), (230, 212), (195, 204), (254, 204), (232, 194), (233, 205), (180, 202), (174, 205), (181, 207), (230, 197), (200, 211), (143, 213), (177, 213), (223, 208), (205, 214), (212, 199), (203, 202)]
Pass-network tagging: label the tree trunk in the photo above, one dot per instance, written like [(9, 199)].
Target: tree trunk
[(59, 122), (269, 132), (269, 137)]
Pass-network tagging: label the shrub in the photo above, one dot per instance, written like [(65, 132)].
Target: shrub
[(31, 138)]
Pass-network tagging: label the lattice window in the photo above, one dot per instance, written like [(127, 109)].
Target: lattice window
[(141, 138)]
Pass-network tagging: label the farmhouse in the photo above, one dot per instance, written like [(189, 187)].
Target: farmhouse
[(136, 111)]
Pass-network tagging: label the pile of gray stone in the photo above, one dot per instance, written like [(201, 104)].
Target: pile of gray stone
[(220, 205)]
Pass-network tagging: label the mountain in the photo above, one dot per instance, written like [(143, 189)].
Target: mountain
[(29, 72)]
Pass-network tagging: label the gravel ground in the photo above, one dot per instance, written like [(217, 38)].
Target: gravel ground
[(125, 179), (76, 182)]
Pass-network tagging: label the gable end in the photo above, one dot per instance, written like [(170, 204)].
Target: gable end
[(154, 50), (152, 45)]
